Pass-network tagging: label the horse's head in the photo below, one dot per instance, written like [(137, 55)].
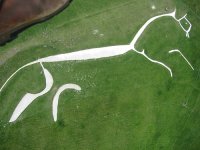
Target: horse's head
[(180, 21)]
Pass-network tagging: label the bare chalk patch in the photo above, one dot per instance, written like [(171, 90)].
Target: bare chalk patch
[(95, 31), (101, 35), (153, 7)]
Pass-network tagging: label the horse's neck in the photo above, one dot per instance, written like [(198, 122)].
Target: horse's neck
[(141, 30)]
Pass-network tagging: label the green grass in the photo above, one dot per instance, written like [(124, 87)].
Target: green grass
[(126, 102)]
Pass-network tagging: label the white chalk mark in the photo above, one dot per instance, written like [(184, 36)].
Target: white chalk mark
[(178, 51), (101, 35), (157, 62), (29, 98), (93, 53), (187, 22), (95, 31), (57, 95), (153, 7)]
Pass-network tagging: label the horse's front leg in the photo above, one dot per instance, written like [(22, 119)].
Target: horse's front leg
[(154, 61), (178, 51), (29, 98)]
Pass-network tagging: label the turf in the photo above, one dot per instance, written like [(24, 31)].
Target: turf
[(126, 102)]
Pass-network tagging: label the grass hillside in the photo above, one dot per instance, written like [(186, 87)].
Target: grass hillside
[(126, 101)]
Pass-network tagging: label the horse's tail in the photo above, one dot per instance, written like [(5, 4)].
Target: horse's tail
[(29, 64)]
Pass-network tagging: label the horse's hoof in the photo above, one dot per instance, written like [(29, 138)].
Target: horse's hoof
[(15, 15)]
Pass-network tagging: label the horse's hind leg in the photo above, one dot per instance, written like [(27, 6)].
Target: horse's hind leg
[(29, 98), (57, 95)]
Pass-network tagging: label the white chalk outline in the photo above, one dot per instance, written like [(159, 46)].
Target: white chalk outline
[(178, 51), (157, 62), (57, 95), (95, 53)]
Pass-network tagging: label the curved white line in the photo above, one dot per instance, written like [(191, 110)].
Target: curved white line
[(29, 98), (139, 33), (57, 95), (178, 51), (31, 63)]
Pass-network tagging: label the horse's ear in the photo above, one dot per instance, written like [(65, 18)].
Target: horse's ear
[(175, 10), (174, 13)]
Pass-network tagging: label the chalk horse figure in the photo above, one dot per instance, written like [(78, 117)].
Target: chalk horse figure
[(88, 54)]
